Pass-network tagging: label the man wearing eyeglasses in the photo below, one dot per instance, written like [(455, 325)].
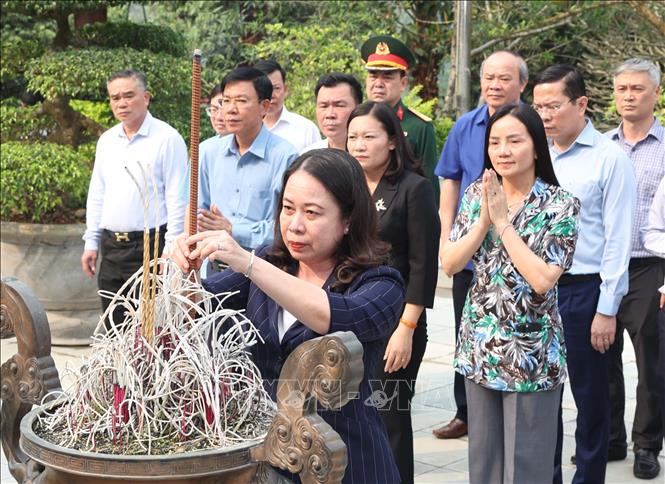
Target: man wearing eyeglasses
[(599, 174), (240, 174), (214, 112)]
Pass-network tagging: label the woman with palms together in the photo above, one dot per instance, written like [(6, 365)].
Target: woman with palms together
[(519, 228)]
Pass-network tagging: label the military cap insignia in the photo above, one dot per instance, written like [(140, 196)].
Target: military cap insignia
[(382, 49)]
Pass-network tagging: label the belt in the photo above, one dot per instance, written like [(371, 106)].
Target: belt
[(131, 236), (640, 262), (566, 278)]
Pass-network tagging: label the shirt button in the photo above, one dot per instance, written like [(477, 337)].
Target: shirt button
[(233, 213), (237, 190)]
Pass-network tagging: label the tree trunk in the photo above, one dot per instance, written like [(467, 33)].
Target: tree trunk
[(72, 125), (64, 33)]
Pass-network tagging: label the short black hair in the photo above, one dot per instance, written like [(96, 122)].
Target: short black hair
[(262, 84), (129, 74), (526, 115), (216, 91), (573, 81), (268, 66), (335, 78)]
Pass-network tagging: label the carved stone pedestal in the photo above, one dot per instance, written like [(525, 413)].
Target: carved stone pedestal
[(47, 259)]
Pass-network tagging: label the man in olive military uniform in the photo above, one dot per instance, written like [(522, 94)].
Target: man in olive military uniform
[(387, 61)]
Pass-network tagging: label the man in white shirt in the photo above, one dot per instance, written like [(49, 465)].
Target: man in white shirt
[(139, 148), (336, 95), (294, 128)]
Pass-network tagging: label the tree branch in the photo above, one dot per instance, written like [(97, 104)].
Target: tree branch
[(644, 11), (554, 21)]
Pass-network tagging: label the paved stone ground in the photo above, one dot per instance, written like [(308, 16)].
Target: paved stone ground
[(437, 461)]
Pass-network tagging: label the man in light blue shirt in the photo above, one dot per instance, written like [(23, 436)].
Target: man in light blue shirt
[(599, 174), (240, 174)]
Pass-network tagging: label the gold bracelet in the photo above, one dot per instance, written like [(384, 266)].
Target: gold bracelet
[(408, 324)]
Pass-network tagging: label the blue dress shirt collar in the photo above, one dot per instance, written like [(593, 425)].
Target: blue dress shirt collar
[(258, 146)]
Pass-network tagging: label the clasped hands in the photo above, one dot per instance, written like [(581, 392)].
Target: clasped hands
[(493, 205), (213, 219), (189, 252)]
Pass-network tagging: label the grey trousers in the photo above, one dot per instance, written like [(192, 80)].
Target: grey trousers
[(512, 436)]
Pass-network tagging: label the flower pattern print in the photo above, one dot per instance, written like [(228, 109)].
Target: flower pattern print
[(511, 338)]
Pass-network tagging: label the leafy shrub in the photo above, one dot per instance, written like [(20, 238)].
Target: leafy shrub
[(442, 127), (44, 182), (154, 38), (99, 112), (82, 74), (24, 123), (12, 63)]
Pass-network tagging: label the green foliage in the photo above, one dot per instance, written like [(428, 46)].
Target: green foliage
[(218, 29), (413, 100), (99, 112), (12, 63), (50, 8), (43, 182), (24, 123), (442, 126), (154, 38), (292, 48), (82, 74)]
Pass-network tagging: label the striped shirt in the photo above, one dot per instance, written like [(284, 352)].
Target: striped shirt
[(648, 159)]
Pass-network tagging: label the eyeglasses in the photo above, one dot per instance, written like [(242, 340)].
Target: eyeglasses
[(212, 110), (550, 108)]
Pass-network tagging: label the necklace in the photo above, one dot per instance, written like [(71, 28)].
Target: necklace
[(514, 207)]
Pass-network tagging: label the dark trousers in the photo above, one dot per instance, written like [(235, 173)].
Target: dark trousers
[(399, 388), (587, 371), (461, 284), (638, 315), (661, 361), (120, 260)]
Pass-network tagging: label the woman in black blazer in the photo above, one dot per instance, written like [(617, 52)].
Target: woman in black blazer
[(409, 221)]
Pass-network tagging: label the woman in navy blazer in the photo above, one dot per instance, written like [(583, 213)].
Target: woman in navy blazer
[(325, 272), (408, 219)]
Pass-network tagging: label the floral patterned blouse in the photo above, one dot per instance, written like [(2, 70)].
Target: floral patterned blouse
[(511, 338)]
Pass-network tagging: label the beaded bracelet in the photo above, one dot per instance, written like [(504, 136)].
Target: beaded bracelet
[(408, 324), (249, 266)]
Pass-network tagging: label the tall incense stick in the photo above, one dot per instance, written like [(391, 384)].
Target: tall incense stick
[(194, 142)]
